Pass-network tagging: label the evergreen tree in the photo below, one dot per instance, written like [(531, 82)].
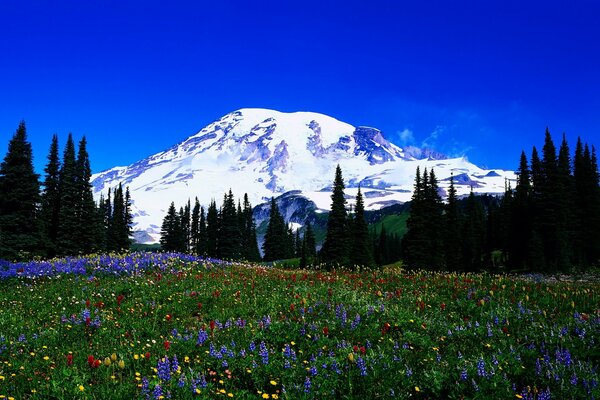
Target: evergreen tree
[(434, 220), (229, 235), (422, 245), (550, 208), (19, 199), (169, 233), (473, 235), (202, 246), (335, 248), (212, 230), (274, 245), (87, 229), (360, 247), (68, 229), (50, 199), (195, 227), (186, 227), (452, 222), (309, 243), (249, 243)]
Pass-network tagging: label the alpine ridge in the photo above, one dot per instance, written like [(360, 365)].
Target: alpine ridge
[(266, 153)]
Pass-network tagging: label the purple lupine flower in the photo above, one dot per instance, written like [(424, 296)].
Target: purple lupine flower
[(463, 375), (264, 353), (313, 371), (307, 385), (362, 366), (202, 337), (573, 379), (181, 381), (175, 364), (481, 367), (157, 393), (409, 372), (164, 369), (145, 388)]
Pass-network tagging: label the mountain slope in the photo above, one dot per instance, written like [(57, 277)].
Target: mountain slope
[(266, 153)]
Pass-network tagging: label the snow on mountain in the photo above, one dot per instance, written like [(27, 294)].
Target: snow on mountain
[(266, 153)]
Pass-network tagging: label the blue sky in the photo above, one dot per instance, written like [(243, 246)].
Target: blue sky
[(475, 78)]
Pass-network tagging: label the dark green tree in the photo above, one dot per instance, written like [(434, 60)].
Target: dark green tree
[(360, 245), (88, 227), (452, 223), (335, 249), (68, 230), (195, 227), (212, 230), (19, 200), (249, 241), (275, 242), (170, 230), (50, 199), (473, 235), (229, 234)]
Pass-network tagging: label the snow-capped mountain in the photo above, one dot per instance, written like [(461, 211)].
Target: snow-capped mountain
[(266, 153)]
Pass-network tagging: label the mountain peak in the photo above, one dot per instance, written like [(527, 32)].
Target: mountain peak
[(265, 153)]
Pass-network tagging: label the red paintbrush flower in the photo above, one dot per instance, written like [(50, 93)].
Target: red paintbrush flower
[(167, 344), (326, 331), (69, 359)]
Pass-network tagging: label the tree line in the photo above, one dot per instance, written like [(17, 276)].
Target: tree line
[(549, 222), (58, 216), (228, 232)]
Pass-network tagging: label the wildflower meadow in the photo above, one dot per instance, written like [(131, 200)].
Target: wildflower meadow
[(152, 326)]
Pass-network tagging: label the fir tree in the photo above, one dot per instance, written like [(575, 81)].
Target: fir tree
[(212, 230), (68, 229), (250, 245), (274, 245), (169, 233), (88, 227), (473, 232), (195, 227), (360, 247), (19, 199), (229, 235), (50, 199), (521, 221), (452, 222), (335, 248), (202, 246)]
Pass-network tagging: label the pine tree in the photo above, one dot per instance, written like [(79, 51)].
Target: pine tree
[(202, 246), (50, 200), (274, 245), (434, 212), (335, 248), (87, 229), (422, 245), (195, 227), (229, 235), (360, 247), (473, 235), (19, 199), (452, 222), (520, 216), (68, 229), (250, 244), (550, 207), (212, 230), (186, 228), (169, 233)]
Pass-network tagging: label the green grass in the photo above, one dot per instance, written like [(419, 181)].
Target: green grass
[(250, 331)]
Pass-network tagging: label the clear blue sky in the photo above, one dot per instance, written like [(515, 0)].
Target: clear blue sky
[(480, 78)]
